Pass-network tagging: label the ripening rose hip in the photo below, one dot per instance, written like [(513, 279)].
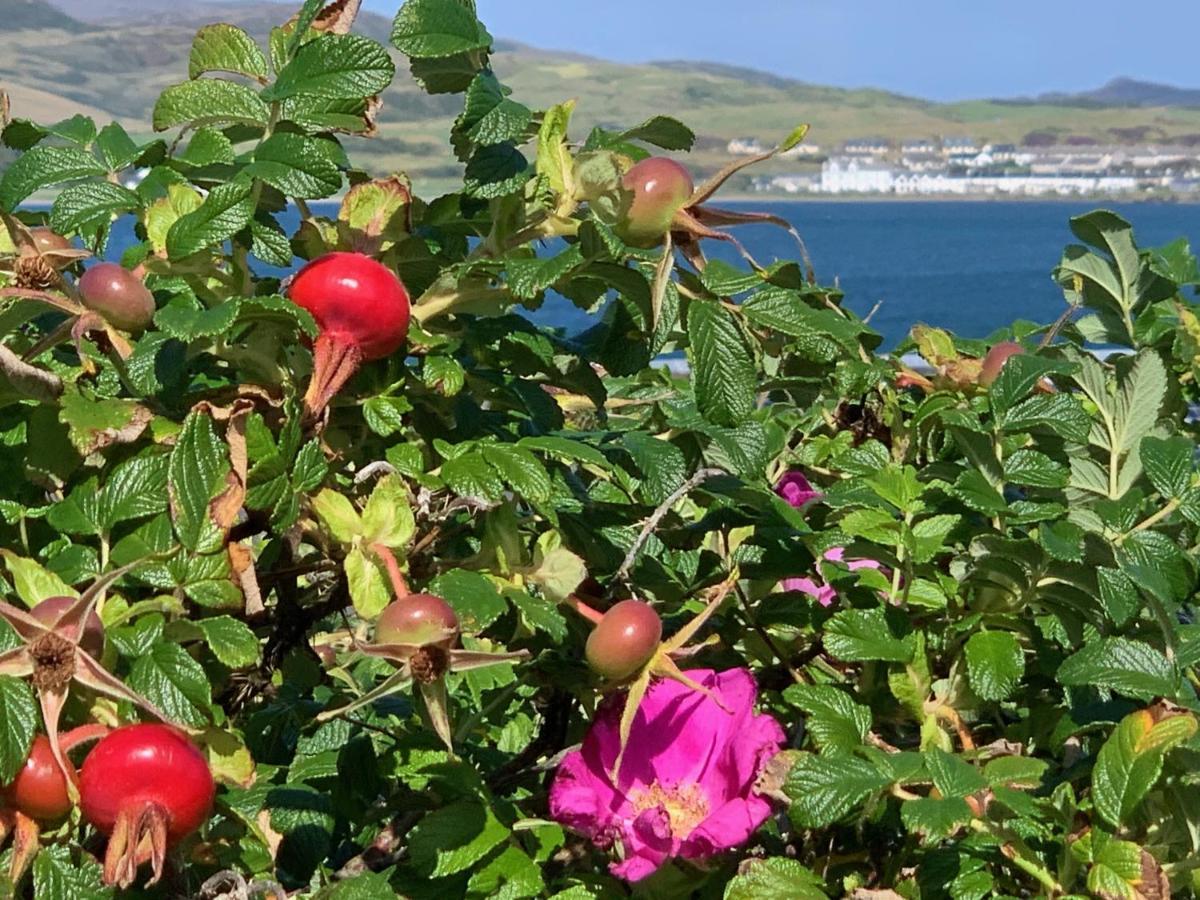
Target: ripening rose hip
[(147, 787), (118, 295), (659, 188), (994, 362), (418, 619), (50, 610), (362, 310), (39, 789), (624, 640), (48, 241)]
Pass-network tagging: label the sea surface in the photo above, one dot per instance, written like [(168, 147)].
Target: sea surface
[(969, 266)]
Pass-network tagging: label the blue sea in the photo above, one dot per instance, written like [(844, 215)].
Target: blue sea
[(969, 266)]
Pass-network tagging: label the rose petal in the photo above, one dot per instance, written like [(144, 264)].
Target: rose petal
[(796, 490), (729, 826), (648, 843)]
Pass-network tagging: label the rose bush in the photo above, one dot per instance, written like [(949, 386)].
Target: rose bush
[(925, 631)]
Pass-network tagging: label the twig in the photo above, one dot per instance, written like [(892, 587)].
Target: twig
[(767, 639), (31, 381), (701, 476)]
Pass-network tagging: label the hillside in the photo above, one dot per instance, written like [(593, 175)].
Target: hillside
[(129, 50)]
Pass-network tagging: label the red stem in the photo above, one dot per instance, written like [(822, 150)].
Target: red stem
[(584, 610), (81, 735), (399, 585), (334, 363)]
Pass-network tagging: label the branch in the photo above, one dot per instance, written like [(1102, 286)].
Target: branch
[(701, 476), (35, 383)]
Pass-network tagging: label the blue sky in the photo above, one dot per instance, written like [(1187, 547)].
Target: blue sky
[(940, 49)]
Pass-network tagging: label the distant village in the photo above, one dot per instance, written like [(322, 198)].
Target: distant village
[(958, 166)]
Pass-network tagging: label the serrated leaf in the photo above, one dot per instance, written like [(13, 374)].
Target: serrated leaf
[(209, 101), (776, 878), (935, 816), (824, 789), (474, 597), (19, 713), (174, 682), (196, 474), (226, 210), (855, 635), (370, 590), (89, 204), (995, 664), (297, 166), (521, 469), (723, 373), (1131, 760), (231, 641), (226, 48), (335, 66), (454, 838), (836, 722), (387, 518), (182, 318), (32, 581), (1168, 464), (436, 29), (1124, 665), (662, 131), (42, 167)]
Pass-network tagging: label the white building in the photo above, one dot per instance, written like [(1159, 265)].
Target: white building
[(852, 176)]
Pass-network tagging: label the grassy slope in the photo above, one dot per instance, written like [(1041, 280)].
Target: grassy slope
[(117, 72)]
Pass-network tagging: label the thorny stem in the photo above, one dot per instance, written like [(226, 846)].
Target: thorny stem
[(657, 516), (1151, 521)]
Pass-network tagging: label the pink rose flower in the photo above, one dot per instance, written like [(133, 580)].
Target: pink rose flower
[(818, 589), (796, 490), (686, 782)]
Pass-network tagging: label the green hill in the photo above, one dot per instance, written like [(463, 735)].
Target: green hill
[(116, 65)]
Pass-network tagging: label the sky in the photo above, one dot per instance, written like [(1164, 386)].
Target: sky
[(938, 49)]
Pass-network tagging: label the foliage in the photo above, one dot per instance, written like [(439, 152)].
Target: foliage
[(1006, 706)]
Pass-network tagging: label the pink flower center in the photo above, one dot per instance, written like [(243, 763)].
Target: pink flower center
[(686, 805)]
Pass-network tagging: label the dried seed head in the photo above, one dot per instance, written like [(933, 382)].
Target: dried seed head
[(53, 662), (429, 664), (35, 274)]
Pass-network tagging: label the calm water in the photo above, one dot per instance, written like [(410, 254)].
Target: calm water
[(972, 267)]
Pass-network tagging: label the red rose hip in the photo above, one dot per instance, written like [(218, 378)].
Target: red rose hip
[(362, 311), (118, 295), (419, 620), (147, 787), (993, 363), (658, 187), (624, 640), (39, 789)]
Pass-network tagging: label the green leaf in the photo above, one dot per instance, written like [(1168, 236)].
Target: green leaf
[(995, 664), (474, 597), (521, 469), (195, 475), (89, 204), (58, 876), (454, 838), (335, 66), (209, 101), (33, 582), (338, 515), (174, 682), (1168, 464), (662, 131), (662, 464), (977, 493), (1135, 409), (855, 635), (489, 116), (776, 878), (469, 475), (952, 775), (42, 167), (494, 171), (1062, 414), (226, 48), (724, 378), (1120, 664), (539, 614), (186, 320), (370, 590), (231, 641), (387, 518), (935, 816), (226, 210), (1029, 467), (787, 312), (19, 713), (835, 721), (823, 789), (1131, 760), (434, 29), (1020, 373), (297, 166)]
